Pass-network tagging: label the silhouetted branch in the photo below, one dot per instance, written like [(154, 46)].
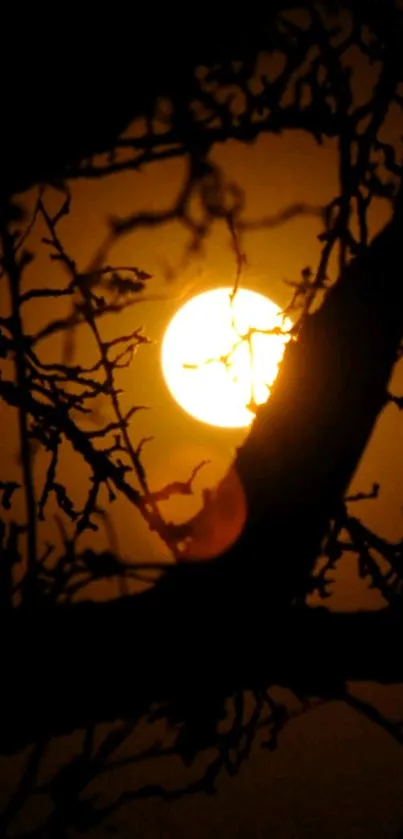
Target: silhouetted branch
[(25, 785), (13, 270), (91, 682), (213, 631), (393, 729)]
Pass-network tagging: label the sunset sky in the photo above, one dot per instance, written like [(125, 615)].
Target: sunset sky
[(334, 774), (274, 173)]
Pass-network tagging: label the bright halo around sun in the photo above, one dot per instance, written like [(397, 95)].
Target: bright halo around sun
[(221, 355)]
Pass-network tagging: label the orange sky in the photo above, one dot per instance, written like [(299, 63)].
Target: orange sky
[(330, 761), (275, 172)]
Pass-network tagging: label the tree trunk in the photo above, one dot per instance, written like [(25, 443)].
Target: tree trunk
[(307, 440)]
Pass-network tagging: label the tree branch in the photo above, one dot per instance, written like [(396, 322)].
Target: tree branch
[(13, 271)]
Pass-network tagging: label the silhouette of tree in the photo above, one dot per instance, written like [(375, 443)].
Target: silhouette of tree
[(211, 684)]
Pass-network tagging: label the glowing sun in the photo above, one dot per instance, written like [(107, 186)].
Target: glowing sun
[(220, 356)]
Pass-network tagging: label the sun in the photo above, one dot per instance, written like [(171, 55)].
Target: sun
[(220, 355)]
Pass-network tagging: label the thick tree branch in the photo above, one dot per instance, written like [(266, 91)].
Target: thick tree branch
[(114, 660)]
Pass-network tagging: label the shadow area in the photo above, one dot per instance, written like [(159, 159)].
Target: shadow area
[(64, 668)]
